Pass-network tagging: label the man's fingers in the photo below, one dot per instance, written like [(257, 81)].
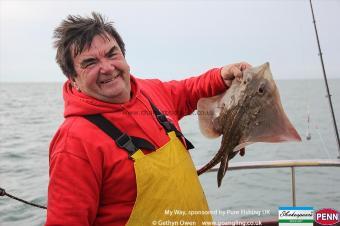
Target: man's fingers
[(236, 72), (245, 65), (237, 69), (232, 71)]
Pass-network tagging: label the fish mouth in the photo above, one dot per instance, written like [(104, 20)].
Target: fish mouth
[(105, 81)]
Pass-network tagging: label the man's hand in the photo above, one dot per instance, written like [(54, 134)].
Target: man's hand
[(232, 71)]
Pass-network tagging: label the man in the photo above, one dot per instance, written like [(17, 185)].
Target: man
[(117, 159)]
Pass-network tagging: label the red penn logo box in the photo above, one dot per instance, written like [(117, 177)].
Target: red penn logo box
[(327, 216)]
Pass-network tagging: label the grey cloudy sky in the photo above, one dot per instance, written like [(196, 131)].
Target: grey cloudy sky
[(176, 39)]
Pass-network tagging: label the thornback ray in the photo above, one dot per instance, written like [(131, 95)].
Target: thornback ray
[(249, 111)]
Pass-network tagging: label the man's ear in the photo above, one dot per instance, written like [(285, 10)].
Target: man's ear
[(74, 83), (72, 79)]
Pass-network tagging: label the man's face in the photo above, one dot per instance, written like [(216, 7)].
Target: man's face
[(102, 71)]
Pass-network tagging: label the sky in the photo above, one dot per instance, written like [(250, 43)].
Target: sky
[(177, 39)]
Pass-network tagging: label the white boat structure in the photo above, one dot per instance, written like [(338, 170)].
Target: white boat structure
[(292, 164)]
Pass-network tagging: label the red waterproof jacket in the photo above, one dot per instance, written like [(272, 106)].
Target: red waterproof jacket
[(92, 181)]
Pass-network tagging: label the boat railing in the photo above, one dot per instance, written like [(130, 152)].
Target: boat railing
[(292, 164)]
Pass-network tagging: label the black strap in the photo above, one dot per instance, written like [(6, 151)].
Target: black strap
[(167, 125), (129, 143)]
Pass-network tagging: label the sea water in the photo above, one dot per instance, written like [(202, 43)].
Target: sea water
[(30, 113)]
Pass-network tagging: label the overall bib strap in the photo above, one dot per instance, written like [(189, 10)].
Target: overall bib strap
[(167, 125), (129, 143)]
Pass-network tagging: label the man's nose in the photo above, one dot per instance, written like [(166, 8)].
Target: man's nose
[(106, 67)]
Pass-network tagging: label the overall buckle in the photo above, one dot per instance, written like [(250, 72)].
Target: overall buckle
[(125, 141)]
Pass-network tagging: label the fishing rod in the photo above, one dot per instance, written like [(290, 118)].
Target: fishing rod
[(325, 79), (4, 193)]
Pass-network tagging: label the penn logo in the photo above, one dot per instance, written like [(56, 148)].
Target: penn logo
[(327, 216)]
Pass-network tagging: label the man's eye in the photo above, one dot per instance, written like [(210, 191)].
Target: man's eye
[(88, 64), (111, 55)]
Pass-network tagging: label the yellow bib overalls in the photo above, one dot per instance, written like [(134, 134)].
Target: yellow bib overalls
[(168, 189)]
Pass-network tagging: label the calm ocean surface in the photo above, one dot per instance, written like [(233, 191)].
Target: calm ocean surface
[(31, 112)]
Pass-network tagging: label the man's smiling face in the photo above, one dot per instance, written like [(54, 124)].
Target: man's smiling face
[(102, 71)]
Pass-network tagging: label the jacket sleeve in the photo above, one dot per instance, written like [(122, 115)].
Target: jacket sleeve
[(186, 93), (73, 191)]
